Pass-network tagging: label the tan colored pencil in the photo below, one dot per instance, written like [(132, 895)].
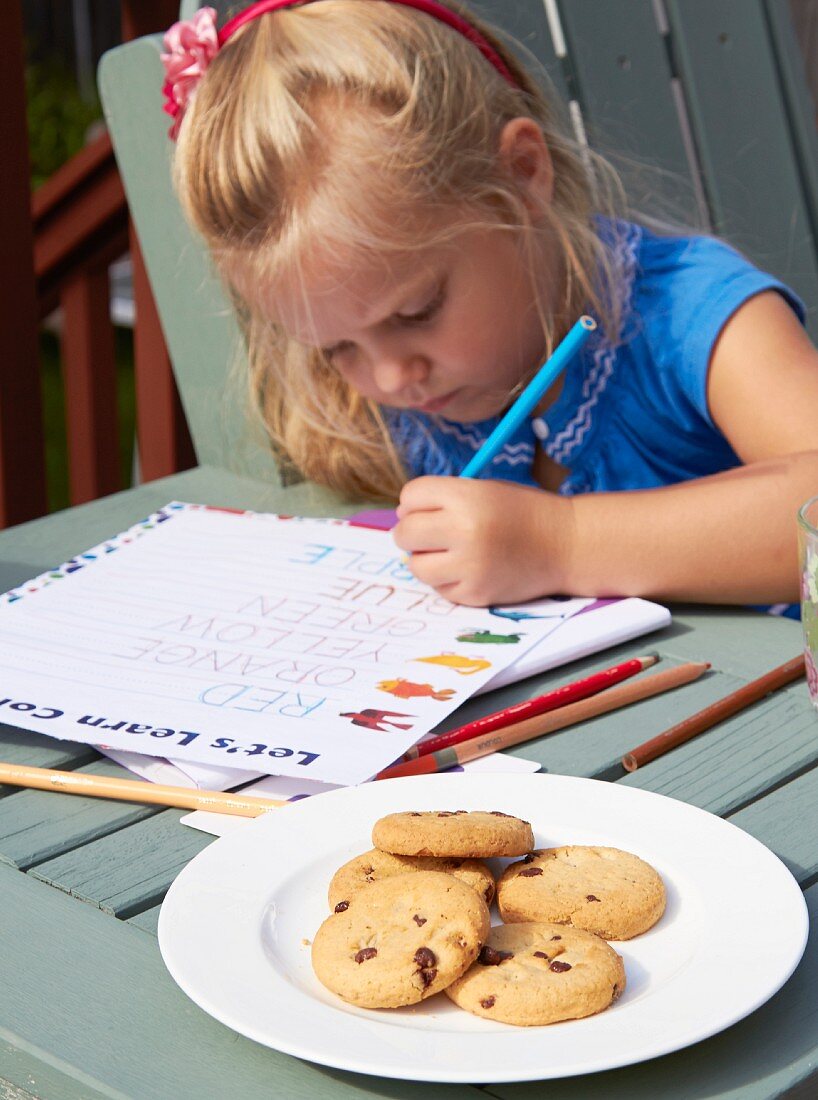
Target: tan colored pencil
[(540, 704), (133, 790), (642, 687)]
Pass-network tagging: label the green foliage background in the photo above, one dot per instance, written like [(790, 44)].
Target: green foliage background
[(58, 117)]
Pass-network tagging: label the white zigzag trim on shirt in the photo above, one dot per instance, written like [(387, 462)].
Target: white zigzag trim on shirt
[(564, 443), (462, 434), (526, 454), (512, 453)]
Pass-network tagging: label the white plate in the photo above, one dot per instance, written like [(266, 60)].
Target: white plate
[(235, 926)]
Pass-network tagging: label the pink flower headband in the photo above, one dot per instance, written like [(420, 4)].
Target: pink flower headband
[(193, 43)]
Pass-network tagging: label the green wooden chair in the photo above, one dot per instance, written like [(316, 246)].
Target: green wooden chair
[(705, 100)]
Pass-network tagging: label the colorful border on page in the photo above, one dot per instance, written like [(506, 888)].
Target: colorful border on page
[(73, 565), (150, 523)]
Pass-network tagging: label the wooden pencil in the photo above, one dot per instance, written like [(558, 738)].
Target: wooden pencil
[(716, 712), (529, 728), (540, 704), (133, 790)]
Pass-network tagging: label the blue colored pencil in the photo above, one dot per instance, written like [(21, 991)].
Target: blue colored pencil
[(526, 402)]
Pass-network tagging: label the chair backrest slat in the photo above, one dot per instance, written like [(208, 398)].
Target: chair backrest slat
[(526, 22), (197, 319), (630, 103), (742, 127), (802, 109)]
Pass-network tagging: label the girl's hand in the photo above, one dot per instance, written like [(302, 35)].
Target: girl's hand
[(484, 542)]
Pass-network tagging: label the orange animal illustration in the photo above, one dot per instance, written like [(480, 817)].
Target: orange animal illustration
[(405, 689), (466, 666)]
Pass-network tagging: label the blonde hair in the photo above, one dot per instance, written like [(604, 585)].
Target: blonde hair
[(339, 122)]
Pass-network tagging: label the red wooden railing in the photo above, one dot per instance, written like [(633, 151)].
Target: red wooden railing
[(57, 247), (80, 222)]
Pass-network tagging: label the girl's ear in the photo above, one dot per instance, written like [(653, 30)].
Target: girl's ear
[(527, 159)]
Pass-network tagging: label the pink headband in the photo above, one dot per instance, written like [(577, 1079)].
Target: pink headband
[(193, 43)]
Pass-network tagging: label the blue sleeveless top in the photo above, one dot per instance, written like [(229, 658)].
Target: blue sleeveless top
[(631, 415)]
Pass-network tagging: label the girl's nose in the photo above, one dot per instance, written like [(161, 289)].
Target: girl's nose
[(395, 373)]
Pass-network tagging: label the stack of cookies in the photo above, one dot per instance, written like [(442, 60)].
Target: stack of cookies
[(410, 918)]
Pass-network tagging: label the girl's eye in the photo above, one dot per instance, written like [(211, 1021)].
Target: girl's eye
[(422, 316), (335, 353), (428, 312)]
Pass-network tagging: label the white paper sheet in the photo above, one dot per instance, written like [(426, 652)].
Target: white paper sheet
[(297, 647), (278, 786), (603, 623), (203, 777)]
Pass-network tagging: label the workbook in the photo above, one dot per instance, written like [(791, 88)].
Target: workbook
[(233, 644)]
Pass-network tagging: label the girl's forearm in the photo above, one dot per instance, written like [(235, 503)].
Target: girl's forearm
[(727, 538)]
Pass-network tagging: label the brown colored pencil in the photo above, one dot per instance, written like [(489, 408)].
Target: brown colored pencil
[(716, 712), (134, 790), (641, 687)]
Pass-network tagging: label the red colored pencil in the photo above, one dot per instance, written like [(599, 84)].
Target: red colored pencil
[(528, 708), (530, 728)]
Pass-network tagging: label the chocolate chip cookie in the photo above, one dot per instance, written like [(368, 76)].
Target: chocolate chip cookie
[(461, 833), (401, 940), (603, 890), (374, 866), (539, 973)]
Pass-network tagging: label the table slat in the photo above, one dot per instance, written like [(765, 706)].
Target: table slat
[(735, 762), (148, 920), (39, 825), (21, 747), (739, 642), (787, 823), (127, 871), (594, 748)]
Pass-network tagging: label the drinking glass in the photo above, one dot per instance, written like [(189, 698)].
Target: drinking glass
[(808, 557)]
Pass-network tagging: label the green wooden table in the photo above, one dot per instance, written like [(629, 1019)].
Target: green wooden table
[(87, 1008)]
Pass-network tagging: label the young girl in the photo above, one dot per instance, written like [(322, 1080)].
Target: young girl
[(407, 234)]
